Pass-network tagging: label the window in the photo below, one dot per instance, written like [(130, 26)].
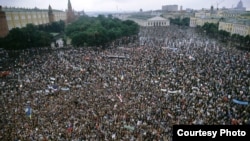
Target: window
[(8, 18)]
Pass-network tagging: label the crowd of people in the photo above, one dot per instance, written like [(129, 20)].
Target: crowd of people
[(130, 92)]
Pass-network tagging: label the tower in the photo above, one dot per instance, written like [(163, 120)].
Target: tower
[(3, 26), (70, 13), (51, 15), (69, 6)]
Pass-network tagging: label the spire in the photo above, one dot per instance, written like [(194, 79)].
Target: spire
[(69, 5), (51, 15), (50, 9)]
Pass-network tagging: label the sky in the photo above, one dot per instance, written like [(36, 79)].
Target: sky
[(121, 5)]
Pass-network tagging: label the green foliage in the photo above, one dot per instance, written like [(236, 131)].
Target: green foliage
[(99, 31), (212, 30), (180, 21), (53, 27), (21, 38)]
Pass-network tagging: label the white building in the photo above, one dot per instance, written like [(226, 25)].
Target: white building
[(157, 21)]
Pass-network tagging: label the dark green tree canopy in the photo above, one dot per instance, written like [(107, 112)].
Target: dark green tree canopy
[(99, 31), (180, 21), (31, 36)]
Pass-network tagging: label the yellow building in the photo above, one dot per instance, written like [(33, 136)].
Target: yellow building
[(236, 27), (201, 21), (17, 17)]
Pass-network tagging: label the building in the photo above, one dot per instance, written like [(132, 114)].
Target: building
[(11, 17), (167, 8), (240, 6), (157, 21), (3, 26), (241, 27), (201, 21), (70, 13), (17, 17)]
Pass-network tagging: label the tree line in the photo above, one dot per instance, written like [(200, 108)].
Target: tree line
[(99, 31), (31, 36)]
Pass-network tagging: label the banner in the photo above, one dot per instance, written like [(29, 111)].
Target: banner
[(28, 111), (240, 102)]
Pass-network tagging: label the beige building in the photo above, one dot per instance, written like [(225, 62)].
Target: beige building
[(242, 29), (21, 17), (201, 21)]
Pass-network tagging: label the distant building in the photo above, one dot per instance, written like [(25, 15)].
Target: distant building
[(201, 21), (3, 26), (239, 26), (157, 21), (71, 16), (171, 8), (181, 8), (19, 17), (240, 6), (202, 14)]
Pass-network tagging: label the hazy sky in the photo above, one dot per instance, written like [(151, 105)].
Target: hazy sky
[(121, 5)]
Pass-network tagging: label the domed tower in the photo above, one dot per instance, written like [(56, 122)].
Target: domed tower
[(240, 5), (51, 15)]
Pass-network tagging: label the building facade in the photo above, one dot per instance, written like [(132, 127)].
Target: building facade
[(242, 29), (20, 17), (170, 8), (194, 22), (157, 21)]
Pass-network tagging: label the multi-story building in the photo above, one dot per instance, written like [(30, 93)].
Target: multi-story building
[(20, 17), (239, 26), (170, 8), (17, 17), (201, 21)]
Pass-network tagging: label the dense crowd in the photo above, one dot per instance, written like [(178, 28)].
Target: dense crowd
[(132, 92)]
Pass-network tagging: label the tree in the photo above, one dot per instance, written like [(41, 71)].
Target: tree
[(180, 21), (247, 41), (99, 31), (29, 36)]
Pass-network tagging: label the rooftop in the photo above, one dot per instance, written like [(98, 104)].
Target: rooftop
[(238, 21)]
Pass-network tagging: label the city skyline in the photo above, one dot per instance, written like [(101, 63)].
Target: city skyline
[(122, 5)]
